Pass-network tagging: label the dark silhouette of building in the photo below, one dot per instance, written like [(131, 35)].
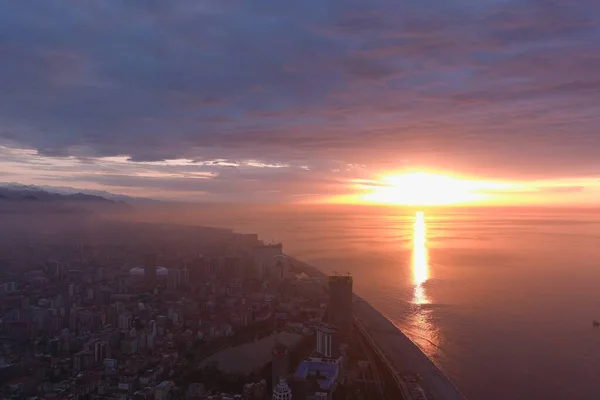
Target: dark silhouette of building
[(101, 351), (340, 302), (280, 363), (300, 388), (198, 270), (150, 267)]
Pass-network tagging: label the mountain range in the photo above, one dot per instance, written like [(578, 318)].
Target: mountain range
[(46, 192), (16, 197)]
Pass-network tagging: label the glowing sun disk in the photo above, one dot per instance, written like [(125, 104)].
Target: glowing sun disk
[(423, 189)]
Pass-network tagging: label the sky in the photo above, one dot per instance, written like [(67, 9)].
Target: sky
[(269, 100)]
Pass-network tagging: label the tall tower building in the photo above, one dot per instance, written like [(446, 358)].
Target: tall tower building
[(174, 278), (185, 277), (150, 268), (198, 269), (282, 391), (340, 302), (101, 351), (280, 362), (214, 265)]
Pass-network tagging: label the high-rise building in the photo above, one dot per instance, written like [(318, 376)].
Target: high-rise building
[(101, 351), (82, 360), (232, 267), (282, 391), (198, 269), (328, 341), (340, 302), (265, 259), (150, 268), (174, 278), (185, 277), (214, 267), (280, 362), (280, 269), (125, 321)]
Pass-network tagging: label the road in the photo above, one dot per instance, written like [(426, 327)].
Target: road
[(402, 355)]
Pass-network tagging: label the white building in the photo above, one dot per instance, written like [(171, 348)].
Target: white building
[(328, 344), (282, 391)]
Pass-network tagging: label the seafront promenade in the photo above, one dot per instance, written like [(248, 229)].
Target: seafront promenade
[(409, 367), (401, 355)]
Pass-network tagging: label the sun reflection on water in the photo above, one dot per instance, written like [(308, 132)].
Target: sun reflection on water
[(420, 262), (424, 329)]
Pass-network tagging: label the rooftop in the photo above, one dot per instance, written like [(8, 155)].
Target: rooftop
[(326, 373)]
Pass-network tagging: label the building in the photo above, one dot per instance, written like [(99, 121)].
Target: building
[(214, 267), (340, 302), (280, 362), (82, 360), (232, 268), (140, 273), (328, 341), (198, 269), (163, 390), (101, 351), (195, 391), (144, 394), (265, 259), (174, 279), (255, 391), (282, 391), (185, 277), (125, 321), (111, 366), (150, 267), (317, 378), (281, 269), (129, 345)]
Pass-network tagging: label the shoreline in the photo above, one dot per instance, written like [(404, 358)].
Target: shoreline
[(399, 352)]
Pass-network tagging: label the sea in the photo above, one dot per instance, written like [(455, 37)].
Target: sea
[(502, 300)]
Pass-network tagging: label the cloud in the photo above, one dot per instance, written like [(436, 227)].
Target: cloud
[(494, 88), (540, 189)]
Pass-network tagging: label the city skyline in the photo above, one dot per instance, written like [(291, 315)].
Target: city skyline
[(307, 102)]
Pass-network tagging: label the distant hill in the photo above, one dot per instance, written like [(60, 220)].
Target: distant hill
[(64, 190), (33, 199)]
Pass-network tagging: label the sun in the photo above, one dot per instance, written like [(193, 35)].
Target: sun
[(421, 189)]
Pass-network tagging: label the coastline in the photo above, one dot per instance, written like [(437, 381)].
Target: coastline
[(401, 353)]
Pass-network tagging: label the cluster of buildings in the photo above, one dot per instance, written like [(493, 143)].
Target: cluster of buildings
[(317, 377), (77, 329)]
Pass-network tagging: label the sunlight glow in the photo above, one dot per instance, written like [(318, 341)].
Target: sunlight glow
[(423, 189)]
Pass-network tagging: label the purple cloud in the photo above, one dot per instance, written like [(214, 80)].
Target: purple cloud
[(494, 88)]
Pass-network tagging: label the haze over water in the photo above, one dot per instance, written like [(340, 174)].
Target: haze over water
[(502, 302)]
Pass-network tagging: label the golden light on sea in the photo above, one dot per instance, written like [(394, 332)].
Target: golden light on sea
[(422, 326), (420, 261)]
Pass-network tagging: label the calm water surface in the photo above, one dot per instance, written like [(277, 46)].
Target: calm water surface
[(502, 302)]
